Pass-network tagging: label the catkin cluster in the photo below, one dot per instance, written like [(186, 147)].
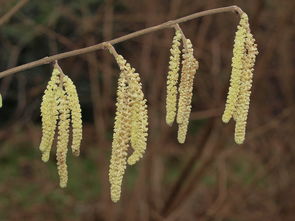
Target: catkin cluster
[(188, 71), (60, 107), (131, 125), (238, 99)]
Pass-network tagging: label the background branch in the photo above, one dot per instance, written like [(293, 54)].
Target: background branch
[(5, 18)]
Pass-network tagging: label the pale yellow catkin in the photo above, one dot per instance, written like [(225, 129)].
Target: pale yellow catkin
[(189, 69), (63, 136), (76, 117), (172, 78), (139, 118), (243, 102), (49, 115), (237, 69), (121, 137)]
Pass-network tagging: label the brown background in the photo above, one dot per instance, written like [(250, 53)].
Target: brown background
[(207, 178)]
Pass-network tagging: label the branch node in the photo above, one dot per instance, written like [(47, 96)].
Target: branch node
[(238, 10)]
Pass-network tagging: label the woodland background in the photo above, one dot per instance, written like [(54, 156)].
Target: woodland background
[(207, 178)]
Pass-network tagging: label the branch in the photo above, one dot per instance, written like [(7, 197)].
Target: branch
[(169, 24), (5, 18)]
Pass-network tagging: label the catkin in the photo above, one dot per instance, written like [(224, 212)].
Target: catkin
[(139, 119), (63, 136), (121, 135), (76, 118), (172, 78), (49, 115), (189, 68), (243, 102), (237, 69)]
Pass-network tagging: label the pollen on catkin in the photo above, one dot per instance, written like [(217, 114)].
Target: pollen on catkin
[(172, 78), (237, 69), (241, 112), (131, 124), (189, 69), (60, 105)]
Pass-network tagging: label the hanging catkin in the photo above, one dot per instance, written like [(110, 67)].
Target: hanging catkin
[(172, 78), (49, 115), (242, 107), (189, 68)]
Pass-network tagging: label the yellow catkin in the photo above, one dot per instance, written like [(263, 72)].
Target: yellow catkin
[(1, 102), (172, 78), (76, 118), (243, 102), (121, 137), (189, 68), (237, 69), (49, 115), (139, 118), (63, 136)]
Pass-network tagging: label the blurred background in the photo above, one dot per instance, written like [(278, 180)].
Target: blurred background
[(207, 178)]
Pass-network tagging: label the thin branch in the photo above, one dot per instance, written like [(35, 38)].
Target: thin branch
[(99, 46), (5, 18)]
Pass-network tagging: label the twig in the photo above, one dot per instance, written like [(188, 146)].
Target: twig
[(5, 18), (99, 46)]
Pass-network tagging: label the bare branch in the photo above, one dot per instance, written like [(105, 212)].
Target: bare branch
[(169, 24)]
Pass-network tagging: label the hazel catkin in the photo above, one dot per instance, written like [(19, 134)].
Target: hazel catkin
[(172, 78), (189, 69)]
